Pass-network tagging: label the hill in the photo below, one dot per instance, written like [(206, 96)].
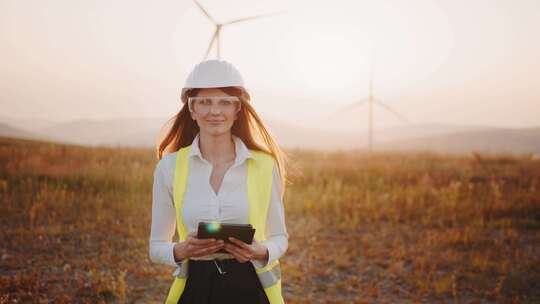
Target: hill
[(443, 138)]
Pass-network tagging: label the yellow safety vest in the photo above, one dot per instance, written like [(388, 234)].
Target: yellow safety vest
[(259, 185)]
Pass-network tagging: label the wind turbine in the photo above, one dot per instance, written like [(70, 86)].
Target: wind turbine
[(371, 101), (219, 26)]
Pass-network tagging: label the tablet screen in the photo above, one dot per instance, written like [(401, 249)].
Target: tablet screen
[(222, 231)]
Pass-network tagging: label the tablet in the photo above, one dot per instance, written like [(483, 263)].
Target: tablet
[(222, 231)]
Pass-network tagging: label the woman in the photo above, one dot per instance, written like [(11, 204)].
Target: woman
[(212, 167)]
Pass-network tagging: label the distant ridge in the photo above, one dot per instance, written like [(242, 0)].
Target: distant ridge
[(443, 138), (496, 140), (9, 131)]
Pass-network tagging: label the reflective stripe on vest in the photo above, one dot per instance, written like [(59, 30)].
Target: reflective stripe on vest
[(259, 184)]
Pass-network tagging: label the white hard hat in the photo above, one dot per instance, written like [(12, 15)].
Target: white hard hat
[(214, 73)]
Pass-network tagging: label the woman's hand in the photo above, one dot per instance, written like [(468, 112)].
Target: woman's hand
[(194, 247), (245, 252)]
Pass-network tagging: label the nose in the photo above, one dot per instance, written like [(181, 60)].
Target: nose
[(215, 109)]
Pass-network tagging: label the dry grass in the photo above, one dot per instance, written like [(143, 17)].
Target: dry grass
[(407, 228)]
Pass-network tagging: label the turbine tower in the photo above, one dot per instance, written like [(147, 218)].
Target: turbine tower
[(371, 100), (219, 26)]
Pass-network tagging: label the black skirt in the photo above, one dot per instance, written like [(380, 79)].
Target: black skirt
[(239, 283)]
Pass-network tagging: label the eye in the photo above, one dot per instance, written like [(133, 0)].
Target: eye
[(225, 102), (206, 101)]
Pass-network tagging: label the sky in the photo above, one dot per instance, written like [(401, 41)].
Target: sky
[(472, 62)]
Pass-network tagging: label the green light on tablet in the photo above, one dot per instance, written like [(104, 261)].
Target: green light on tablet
[(213, 227)]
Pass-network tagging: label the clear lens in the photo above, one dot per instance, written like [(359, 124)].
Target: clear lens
[(224, 104)]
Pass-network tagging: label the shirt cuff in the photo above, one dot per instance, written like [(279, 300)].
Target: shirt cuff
[(271, 255), (170, 256), (177, 270), (174, 263)]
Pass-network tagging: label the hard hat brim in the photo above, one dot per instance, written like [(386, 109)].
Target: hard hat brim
[(245, 92)]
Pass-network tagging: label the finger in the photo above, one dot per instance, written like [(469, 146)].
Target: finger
[(240, 243), (195, 238), (241, 260), (206, 250), (197, 246), (238, 251), (191, 235), (237, 256), (247, 249), (202, 242)]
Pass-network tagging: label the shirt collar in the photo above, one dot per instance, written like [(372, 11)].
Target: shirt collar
[(242, 151)]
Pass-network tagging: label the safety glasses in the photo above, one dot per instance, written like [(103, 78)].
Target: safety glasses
[(204, 104)]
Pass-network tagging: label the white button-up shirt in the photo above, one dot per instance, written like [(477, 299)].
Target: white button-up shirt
[(201, 203)]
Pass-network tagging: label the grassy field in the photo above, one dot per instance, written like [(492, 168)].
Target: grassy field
[(386, 228)]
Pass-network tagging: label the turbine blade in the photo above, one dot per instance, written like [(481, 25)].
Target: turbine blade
[(350, 106), (211, 43), (388, 108), (218, 44), (252, 17), (205, 12)]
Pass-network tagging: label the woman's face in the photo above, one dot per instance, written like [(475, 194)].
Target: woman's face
[(214, 116)]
